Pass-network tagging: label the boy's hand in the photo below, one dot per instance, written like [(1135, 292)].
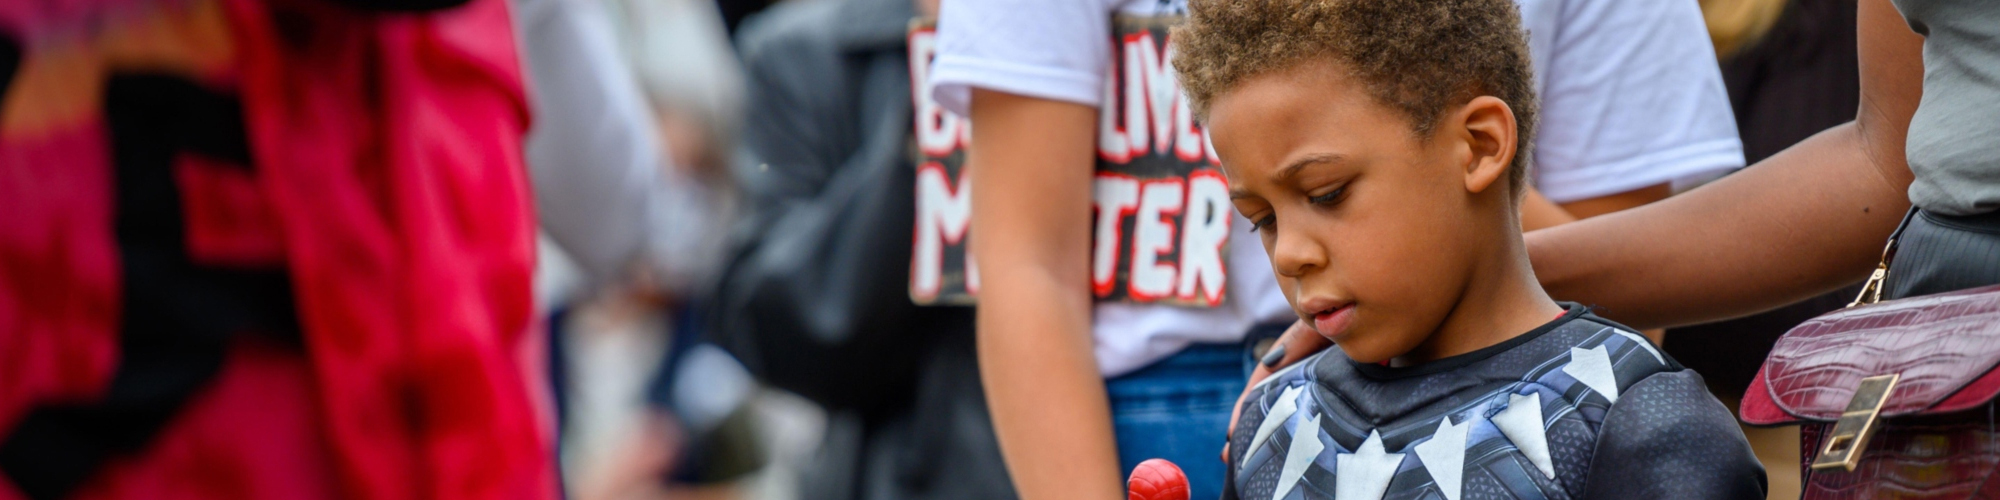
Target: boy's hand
[(1298, 342)]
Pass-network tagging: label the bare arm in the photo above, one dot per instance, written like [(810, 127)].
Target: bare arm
[(1030, 161), (1803, 222), (1538, 212), (1615, 202), (1592, 207)]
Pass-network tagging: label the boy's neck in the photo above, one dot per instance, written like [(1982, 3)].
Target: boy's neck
[(1502, 301)]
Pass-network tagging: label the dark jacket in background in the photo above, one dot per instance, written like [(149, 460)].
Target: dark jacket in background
[(814, 299)]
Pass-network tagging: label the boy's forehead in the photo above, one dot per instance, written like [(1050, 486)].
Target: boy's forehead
[(1278, 102)]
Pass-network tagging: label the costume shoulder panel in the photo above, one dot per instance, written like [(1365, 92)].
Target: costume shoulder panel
[(1669, 438)]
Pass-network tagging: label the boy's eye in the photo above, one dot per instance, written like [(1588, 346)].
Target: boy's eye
[(1329, 197), (1263, 223)]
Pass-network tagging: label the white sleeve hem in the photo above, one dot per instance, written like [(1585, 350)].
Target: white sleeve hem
[(1698, 160), (952, 80)]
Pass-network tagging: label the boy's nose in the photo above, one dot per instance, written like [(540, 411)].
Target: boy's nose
[(1293, 255)]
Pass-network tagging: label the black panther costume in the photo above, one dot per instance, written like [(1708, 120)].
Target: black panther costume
[(1578, 408)]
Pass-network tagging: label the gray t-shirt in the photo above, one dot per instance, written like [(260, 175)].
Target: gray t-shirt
[(1954, 143)]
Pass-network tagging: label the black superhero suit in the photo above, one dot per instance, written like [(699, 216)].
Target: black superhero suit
[(1578, 408)]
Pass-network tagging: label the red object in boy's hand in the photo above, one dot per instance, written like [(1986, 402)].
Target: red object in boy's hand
[(1157, 479)]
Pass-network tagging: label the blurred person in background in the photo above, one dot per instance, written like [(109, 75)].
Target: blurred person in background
[(1791, 72), (734, 12), (266, 249), (637, 104), (1072, 115), (622, 162), (814, 298)]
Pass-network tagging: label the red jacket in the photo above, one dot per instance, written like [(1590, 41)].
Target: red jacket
[(345, 292)]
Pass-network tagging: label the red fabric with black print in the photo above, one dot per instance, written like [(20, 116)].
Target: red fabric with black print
[(352, 222)]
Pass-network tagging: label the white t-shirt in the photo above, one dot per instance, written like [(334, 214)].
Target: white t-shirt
[(1631, 97)]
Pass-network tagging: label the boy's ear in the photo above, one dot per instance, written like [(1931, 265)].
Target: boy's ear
[(1487, 126)]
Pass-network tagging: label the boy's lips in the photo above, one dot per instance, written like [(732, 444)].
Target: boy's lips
[(1331, 318), (1333, 324)]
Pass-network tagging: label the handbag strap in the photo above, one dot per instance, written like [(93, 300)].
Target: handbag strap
[(1872, 291)]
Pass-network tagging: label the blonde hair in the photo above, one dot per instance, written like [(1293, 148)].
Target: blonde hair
[(1737, 24)]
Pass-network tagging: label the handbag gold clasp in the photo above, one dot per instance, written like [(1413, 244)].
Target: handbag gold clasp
[(1850, 434), (1871, 292)]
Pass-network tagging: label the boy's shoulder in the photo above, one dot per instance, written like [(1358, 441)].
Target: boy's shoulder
[(1574, 358), (1525, 416)]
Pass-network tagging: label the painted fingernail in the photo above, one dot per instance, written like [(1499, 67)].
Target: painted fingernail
[(1276, 354)]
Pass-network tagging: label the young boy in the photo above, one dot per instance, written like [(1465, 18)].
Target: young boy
[(1379, 148)]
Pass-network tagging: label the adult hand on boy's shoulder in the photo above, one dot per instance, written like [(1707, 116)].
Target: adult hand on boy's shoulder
[(1298, 342)]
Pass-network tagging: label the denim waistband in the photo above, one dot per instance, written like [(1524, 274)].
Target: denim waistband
[(1222, 359)]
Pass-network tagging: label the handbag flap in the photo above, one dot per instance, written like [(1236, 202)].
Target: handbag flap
[(1945, 346)]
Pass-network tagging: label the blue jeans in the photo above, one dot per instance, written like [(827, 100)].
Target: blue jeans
[(1178, 409)]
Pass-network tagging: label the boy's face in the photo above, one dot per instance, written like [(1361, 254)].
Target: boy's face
[(1373, 232)]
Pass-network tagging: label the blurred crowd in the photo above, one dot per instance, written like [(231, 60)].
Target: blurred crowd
[(725, 226)]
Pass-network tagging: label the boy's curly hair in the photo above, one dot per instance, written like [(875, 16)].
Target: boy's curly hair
[(1419, 57)]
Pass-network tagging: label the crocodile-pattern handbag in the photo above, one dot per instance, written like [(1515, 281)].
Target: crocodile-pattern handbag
[(1896, 398)]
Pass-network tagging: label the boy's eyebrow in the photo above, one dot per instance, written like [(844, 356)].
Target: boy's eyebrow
[(1289, 170), (1292, 169)]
